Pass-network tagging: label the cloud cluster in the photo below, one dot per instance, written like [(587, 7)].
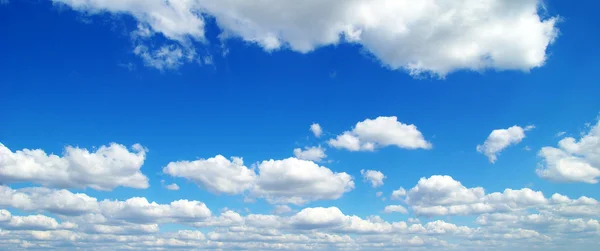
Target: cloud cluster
[(290, 180), (435, 36)]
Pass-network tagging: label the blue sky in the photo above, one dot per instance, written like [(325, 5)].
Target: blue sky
[(76, 75)]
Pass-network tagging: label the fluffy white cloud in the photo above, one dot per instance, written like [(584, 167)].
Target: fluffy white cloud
[(395, 209), (68, 204), (104, 169), (310, 153), (500, 139), (373, 176), (318, 217), (398, 194), (299, 181), (380, 132), (573, 161), (217, 174), (29, 222), (139, 210), (421, 37), (61, 202), (316, 130), (442, 195)]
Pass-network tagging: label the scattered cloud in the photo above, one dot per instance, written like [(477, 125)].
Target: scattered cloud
[(500, 139), (380, 132), (395, 209), (315, 153), (398, 194), (573, 161), (374, 177), (316, 130)]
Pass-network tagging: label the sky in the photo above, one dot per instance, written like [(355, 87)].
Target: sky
[(286, 125)]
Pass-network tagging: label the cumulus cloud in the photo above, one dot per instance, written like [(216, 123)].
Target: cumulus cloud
[(500, 139), (398, 194), (133, 210), (291, 180), (217, 174), (316, 130), (573, 161), (315, 153), (435, 37), (103, 169), (442, 195), (395, 209), (373, 176), (298, 181), (370, 134)]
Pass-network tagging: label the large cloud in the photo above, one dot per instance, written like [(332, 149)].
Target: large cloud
[(435, 36), (500, 139), (370, 134), (573, 161), (104, 169)]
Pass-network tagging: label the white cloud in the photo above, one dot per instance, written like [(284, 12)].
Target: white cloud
[(282, 209), (29, 222), (315, 153), (380, 132), (298, 181), (165, 57), (316, 130), (500, 139), (573, 161), (318, 217), (60, 202), (395, 209), (373, 176), (420, 37), (398, 194), (442, 195), (217, 174), (139, 210), (378, 194), (104, 169), (172, 187)]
